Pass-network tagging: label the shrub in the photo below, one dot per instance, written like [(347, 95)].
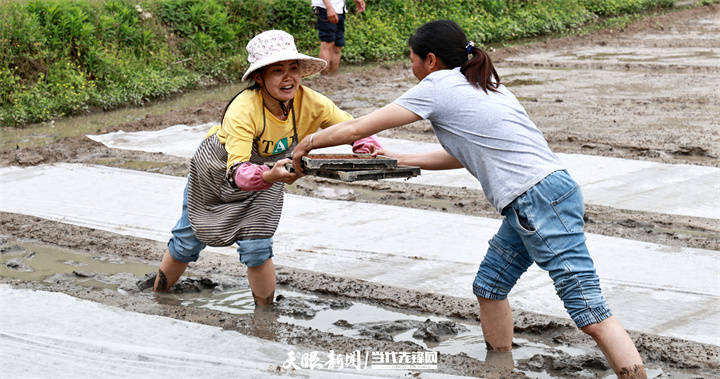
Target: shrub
[(64, 57)]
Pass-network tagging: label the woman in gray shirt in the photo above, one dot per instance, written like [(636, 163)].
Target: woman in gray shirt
[(483, 128)]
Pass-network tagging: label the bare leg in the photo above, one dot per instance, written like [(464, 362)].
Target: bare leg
[(497, 324), (263, 321), (326, 53), (500, 364), (335, 63), (170, 271), (618, 348), (262, 282)]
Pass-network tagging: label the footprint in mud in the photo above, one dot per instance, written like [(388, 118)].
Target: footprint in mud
[(120, 281), (434, 331), (566, 365), (18, 264), (83, 274), (7, 248), (427, 330), (305, 307), (184, 285), (692, 151), (381, 330)]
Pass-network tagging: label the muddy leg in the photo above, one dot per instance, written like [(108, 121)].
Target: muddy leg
[(262, 282), (497, 324), (263, 321), (335, 63), (327, 52), (618, 348), (499, 364), (170, 271)]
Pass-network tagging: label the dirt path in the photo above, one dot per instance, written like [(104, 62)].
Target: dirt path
[(648, 92)]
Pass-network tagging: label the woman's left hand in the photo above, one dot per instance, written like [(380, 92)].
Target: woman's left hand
[(278, 173)]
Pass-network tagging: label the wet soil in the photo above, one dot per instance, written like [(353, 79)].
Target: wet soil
[(99, 272), (601, 104)]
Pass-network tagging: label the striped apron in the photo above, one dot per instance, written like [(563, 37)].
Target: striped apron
[(220, 213)]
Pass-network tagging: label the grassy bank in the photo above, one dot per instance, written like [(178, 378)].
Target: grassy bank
[(59, 58)]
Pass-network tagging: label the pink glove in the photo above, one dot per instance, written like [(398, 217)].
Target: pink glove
[(365, 145), (248, 177)]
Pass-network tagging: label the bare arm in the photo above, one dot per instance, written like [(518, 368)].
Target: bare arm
[(331, 14), (360, 5), (436, 160), (346, 132)]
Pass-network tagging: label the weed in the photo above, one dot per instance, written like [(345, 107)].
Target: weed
[(65, 57)]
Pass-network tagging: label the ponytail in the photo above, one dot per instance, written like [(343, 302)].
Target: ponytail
[(448, 42), (480, 71)]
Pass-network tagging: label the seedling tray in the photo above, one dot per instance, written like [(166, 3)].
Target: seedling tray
[(347, 162), (352, 176), (353, 167)]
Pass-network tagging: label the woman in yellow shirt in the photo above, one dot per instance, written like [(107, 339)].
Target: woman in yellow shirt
[(232, 195)]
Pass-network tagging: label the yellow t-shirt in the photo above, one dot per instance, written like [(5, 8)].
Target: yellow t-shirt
[(243, 123)]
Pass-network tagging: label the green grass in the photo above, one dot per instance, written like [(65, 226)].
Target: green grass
[(62, 57)]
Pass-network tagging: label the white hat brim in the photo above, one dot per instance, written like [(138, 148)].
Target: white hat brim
[(308, 65)]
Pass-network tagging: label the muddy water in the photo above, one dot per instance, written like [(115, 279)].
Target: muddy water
[(304, 317), (638, 112), (363, 320), (34, 134), (33, 261)]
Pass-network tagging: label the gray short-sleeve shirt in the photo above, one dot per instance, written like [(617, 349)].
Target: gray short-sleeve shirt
[(490, 133)]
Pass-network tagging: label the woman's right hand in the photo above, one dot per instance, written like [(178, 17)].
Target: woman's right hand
[(385, 153), (401, 158), (278, 173)]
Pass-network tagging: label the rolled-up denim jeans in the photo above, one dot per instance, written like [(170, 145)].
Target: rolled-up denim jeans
[(545, 225), (185, 247)]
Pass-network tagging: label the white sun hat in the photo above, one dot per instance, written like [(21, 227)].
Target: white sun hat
[(275, 46)]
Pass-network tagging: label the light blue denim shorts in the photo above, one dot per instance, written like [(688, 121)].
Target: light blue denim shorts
[(545, 225), (185, 247)]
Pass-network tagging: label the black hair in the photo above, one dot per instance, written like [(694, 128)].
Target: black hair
[(448, 42), (254, 86)]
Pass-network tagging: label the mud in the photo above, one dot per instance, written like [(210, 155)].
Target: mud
[(573, 125), (427, 330), (533, 332), (600, 100)]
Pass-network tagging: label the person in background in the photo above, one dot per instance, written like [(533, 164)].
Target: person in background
[(483, 127), (331, 30), (232, 194)]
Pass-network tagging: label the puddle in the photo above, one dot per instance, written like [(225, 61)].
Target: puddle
[(35, 134), (238, 301), (534, 356), (35, 261), (362, 320)]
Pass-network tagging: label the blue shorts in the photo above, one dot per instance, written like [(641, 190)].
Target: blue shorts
[(185, 247), (545, 225), (327, 31)]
